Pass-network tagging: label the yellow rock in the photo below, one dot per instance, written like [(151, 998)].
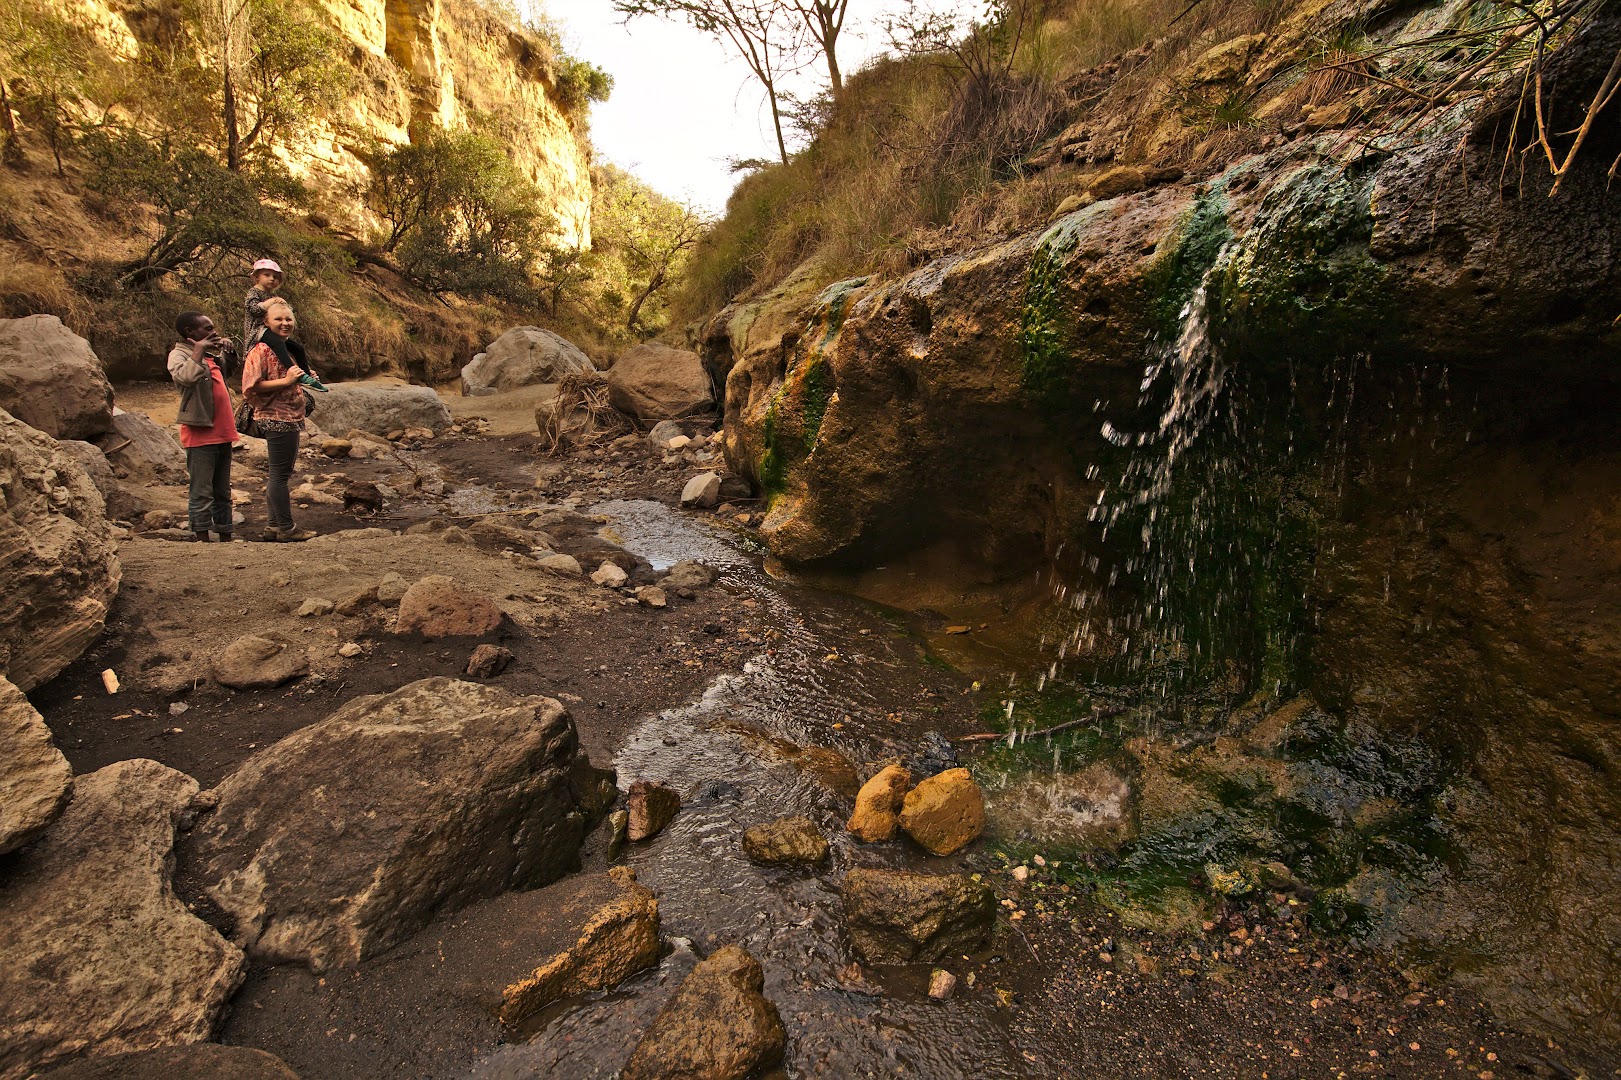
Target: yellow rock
[(878, 800), (944, 813)]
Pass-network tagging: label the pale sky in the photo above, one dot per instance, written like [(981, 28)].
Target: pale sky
[(682, 104)]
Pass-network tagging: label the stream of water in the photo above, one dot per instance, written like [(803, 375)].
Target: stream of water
[(733, 756)]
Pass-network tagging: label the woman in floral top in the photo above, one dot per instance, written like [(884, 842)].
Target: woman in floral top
[(270, 385)]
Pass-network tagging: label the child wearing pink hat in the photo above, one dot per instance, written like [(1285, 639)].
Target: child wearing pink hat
[(266, 277)]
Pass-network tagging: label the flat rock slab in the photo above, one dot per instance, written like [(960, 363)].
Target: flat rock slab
[(199, 1061), (466, 791), (431, 1007), (100, 956), (35, 780), (900, 917), (717, 1027)]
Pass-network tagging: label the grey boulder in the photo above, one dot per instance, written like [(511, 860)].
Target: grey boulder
[(467, 791), (523, 356), (51, 380), (379, 408)]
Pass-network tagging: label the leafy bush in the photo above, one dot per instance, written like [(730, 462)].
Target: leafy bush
[(580, 82), (204, 211), (459, 214)]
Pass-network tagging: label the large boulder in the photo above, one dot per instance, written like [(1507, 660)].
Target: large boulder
[(139, 447), (899, 917), (59, 568), (654, 382), (35, 780), (718, 1026), (50, 379), (101, 956), (380, 408), (466, 791), (522, 357)]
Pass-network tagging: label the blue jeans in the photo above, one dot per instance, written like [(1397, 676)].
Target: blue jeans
[(209, 502), (283, 451)]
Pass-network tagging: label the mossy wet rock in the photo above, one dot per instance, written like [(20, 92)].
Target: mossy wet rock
[(900, 917), (199, 1061), (59, 568), (35, 780), (523, 356), (718, 1026), (101, 956), (794, 841), (652, 382), (945, 813), (466, 791), (878, 804), (51, 380)]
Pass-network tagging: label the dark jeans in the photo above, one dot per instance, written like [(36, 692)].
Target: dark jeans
[(209, 506), (283, 451)]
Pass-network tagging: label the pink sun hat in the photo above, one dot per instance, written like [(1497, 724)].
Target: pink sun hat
[(267, 264)]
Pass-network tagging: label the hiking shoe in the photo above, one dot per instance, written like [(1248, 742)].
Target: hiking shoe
[(296, 535), (271, 535)]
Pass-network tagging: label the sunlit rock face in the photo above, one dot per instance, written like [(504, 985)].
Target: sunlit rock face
[(421, 62)]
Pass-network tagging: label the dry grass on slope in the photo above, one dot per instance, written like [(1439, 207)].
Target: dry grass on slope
[(916, 157)]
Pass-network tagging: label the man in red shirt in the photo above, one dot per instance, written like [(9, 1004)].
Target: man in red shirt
[(196, 364)]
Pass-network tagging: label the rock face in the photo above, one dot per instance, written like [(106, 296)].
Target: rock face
[(380, 408), (898, 917), (122, 504), (467, 791), (787, 842), (101, 957), (199, 1061), (35, 780), (654, 382), (878, 805), (51, 380), (652, 806), (59, 569), (522, 357), (719, 1026), (620, 939), (252, 662), (440, 607), (944, 813)]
